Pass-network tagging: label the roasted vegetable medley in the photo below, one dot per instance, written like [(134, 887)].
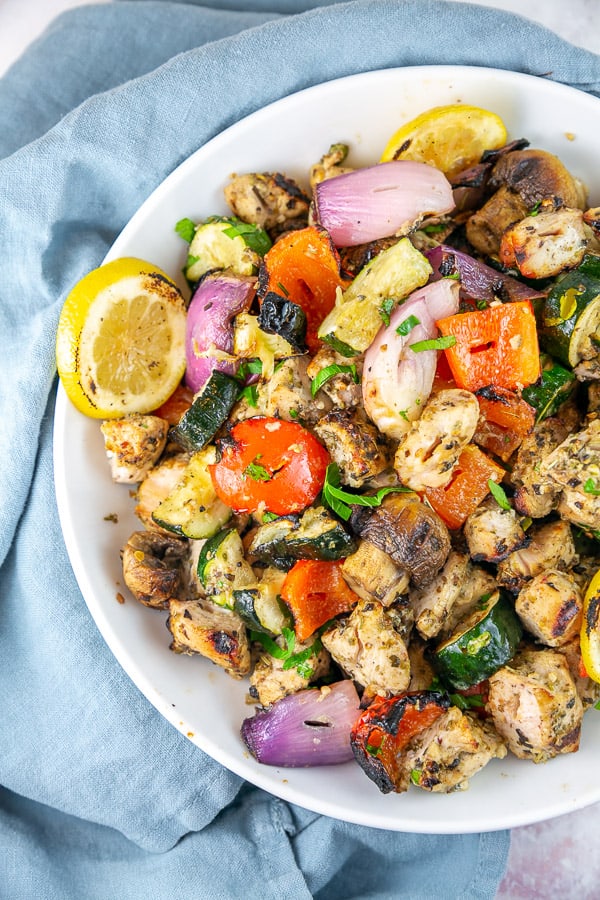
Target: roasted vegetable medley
[(376, 492)]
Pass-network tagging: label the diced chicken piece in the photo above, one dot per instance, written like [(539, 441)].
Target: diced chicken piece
[(535, 706), (268, 199), (492, 532), (574, 467), (550, 606), (542, 246), (536, 495), (133, 444), (330, 165), (580, 508), (158, 484), (479, 584), (270, 681), (429, 452), (592, 218), (374, 575), (354, 445), (457, 746), (287, 393), (433, 604), (367, 646), (212, 631), (422, 673), (153, 567), (342, 389), (551, 547), (485, 228), (588, 690)]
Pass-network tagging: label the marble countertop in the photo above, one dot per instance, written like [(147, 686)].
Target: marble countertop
[(559, 858)]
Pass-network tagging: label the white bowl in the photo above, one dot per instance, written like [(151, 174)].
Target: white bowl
[(195, 696)]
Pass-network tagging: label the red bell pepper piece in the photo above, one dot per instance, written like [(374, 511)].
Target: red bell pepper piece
[(467, 488), (315, 591)]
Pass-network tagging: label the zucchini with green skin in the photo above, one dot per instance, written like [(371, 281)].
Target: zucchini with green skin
[(259, 605), (192, 509), (225, 243), (554, 386), (222, 568), (315, 535), (570, 329), (356, 317), (481, 644), (208, 413)]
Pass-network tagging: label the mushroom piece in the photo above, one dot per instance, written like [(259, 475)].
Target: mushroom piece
[(153, 566), (411, 533)]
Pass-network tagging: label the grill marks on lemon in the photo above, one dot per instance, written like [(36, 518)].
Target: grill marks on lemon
[(121, 340), (451, 138)]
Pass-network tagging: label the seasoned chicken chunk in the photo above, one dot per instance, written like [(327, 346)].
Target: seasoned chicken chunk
[(212, 631), (353, 444), (374, 575), (550, 606), (428, 453), (367, 646), (551, 546), (330, 165), (535, 706), (433, 604), (574, 468), (422, 673), (153, 567), (457, 746), (535, 494), (492, 532), (542, 246), (133, 444), (268, 199), (343, 389), (269, 681), (287, 393)]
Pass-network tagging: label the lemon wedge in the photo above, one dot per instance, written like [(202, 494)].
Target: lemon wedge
[(451, 138), (590, 629), (120, 345)]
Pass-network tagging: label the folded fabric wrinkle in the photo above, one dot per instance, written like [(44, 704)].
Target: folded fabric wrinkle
[(101, 797)]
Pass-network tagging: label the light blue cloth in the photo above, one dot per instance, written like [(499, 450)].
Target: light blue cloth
[(101, 797)]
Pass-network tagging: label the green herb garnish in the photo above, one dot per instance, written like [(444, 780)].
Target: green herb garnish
[(290, 659), (328, 372), (499, 494), (186, 229), (407, 325), (590, 487), (249, 394), (441, 343), (385, 310), (257, 472), (341, 501)]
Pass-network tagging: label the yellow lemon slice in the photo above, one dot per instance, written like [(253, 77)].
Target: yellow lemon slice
[(120, 345), (590, 629), (451, 138)]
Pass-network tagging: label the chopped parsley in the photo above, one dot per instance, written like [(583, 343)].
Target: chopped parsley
[(341, 501), (291, 660), (440, 343), (329, 372), (385, 310), (590, 487), (186, 229), (257, 472), (499, 494), (407, 325)]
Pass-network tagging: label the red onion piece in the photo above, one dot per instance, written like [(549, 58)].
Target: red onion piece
[(216, 301), (478, 281), (378, 201), (396, 380), (310, 728)]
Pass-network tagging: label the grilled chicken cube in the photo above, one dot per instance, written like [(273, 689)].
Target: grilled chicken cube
[(287, 394), (153, 567), (588, 690), (368, 647), (442, 758), (343, 389), (432, 604), (492, 532), (212, 631), (422, 673), (535, 494), (156, 486), (269, 681), (374, 575), (429, 452), (535, 706), (330, 165), (574, 468), (133, 444), (542, 246), (268, 199), (550, 606), (354, 445), (551, 546)]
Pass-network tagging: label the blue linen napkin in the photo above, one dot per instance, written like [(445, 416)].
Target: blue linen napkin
[(101, 797)]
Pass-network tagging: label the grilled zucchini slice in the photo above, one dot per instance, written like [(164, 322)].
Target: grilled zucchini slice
[(226, 243), (208, 412), (192, 509)]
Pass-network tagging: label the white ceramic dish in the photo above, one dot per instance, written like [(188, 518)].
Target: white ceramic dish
[(195, 696)]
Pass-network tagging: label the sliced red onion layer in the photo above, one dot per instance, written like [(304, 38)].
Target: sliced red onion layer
[(209, 332), (373, 203), (310, 728), (397, 380), (478, 281)]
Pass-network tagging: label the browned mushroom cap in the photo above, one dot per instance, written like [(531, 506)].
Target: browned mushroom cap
[(152, 567), (411, 533), (537, 175)]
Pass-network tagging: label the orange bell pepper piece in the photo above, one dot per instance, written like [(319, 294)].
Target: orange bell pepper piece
[(315, 591), (467, 489)]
